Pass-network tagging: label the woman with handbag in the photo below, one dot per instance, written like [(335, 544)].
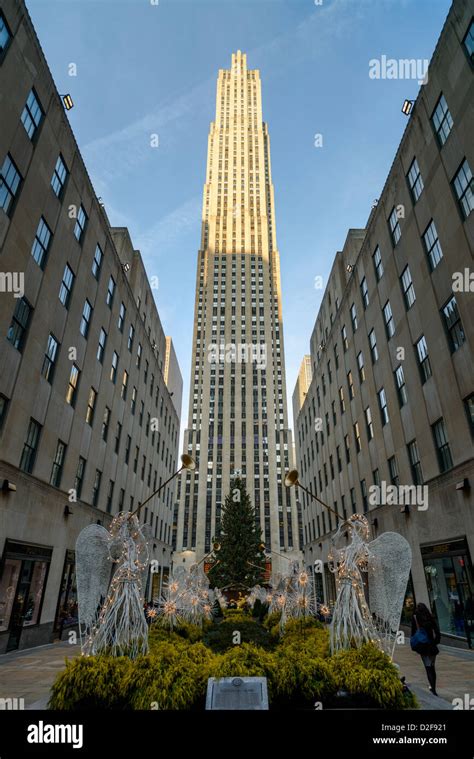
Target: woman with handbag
[(425, 636)]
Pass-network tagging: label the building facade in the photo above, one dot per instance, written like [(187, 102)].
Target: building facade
[(87, 424), (391, 400), (302, 386), (237, 408)]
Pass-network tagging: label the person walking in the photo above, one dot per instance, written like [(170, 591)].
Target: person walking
[(425, 636)]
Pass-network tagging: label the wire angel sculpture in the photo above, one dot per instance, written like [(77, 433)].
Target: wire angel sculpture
[(111, 616), (386, 563), (290, 594), (187, 598)]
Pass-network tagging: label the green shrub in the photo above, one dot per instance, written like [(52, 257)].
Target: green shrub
[(301, 677), (244, 661), (368, 672), (172, 678), (91, 682), (220, 637)]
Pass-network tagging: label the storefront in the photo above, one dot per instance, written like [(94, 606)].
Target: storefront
[(450, 582), (23, 577), (67, 611)]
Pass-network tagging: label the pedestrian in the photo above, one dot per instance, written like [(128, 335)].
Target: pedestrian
[(424, 640)]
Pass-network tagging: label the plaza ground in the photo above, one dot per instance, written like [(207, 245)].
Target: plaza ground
[(29, 674)]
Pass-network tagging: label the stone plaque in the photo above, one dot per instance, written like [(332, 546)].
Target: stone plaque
[(234, 693)]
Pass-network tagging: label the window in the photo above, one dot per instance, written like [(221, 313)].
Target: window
[(97, 261), (378, 266), (121, 319), (113, 367), (354, 317), (16, 334), (49, 361), (469, 406), (442, 446), (105, 424), (347, 446), (124, 385), (133, 403), (360, 366), (400, 385), (96, 487), (364, 293), (342, 402), (10, 180), (363, 490), (442, 120), (131, 335), (66, 286), (453, 324), (127, 448), (373, 346), (394, 224), (101, 345), (139, 355), (369, 424), (71, 393), (30, 448), (58, 180), (388, 319), (376, 476), (345, 343), (393, 471), (468, 41), (110, 494), (415, 181), (5, 35), (464, 189), (58, 463), (407, 288), (32, 114), (383, 406), (110, 292), (80, 225), (41, 243), (415, 464), (350, 383), (432, 245), (423, 359), (118, 435), (79, 480), (3, 409), (357, 437), (91, 406), (86, 319)]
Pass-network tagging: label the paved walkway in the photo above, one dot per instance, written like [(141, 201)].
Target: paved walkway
[(454, 669), (29, 674)]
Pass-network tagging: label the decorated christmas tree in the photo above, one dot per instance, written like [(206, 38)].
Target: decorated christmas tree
[(240, 560)]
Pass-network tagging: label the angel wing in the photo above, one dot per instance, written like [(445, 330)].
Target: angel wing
[(93, 570), (388, 572)]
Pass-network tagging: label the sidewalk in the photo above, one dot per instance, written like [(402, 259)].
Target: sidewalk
[(29, 674), (454, 669)]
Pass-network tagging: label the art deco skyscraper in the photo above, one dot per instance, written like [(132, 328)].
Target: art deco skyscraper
[(237, 408)]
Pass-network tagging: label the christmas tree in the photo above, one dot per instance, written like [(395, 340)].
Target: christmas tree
[(241, 559)]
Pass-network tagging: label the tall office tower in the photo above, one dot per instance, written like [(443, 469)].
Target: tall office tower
[(237, 407)]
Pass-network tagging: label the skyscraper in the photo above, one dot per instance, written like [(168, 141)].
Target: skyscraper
[(237, 408)]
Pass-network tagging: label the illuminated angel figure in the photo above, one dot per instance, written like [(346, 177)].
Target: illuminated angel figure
[(386, 562), (112, 620)]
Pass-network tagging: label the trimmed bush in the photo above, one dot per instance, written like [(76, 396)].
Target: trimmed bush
[(91, 682), (245, 661), (221, 636)]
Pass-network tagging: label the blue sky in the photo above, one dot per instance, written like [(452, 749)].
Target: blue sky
[(146, 69)]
